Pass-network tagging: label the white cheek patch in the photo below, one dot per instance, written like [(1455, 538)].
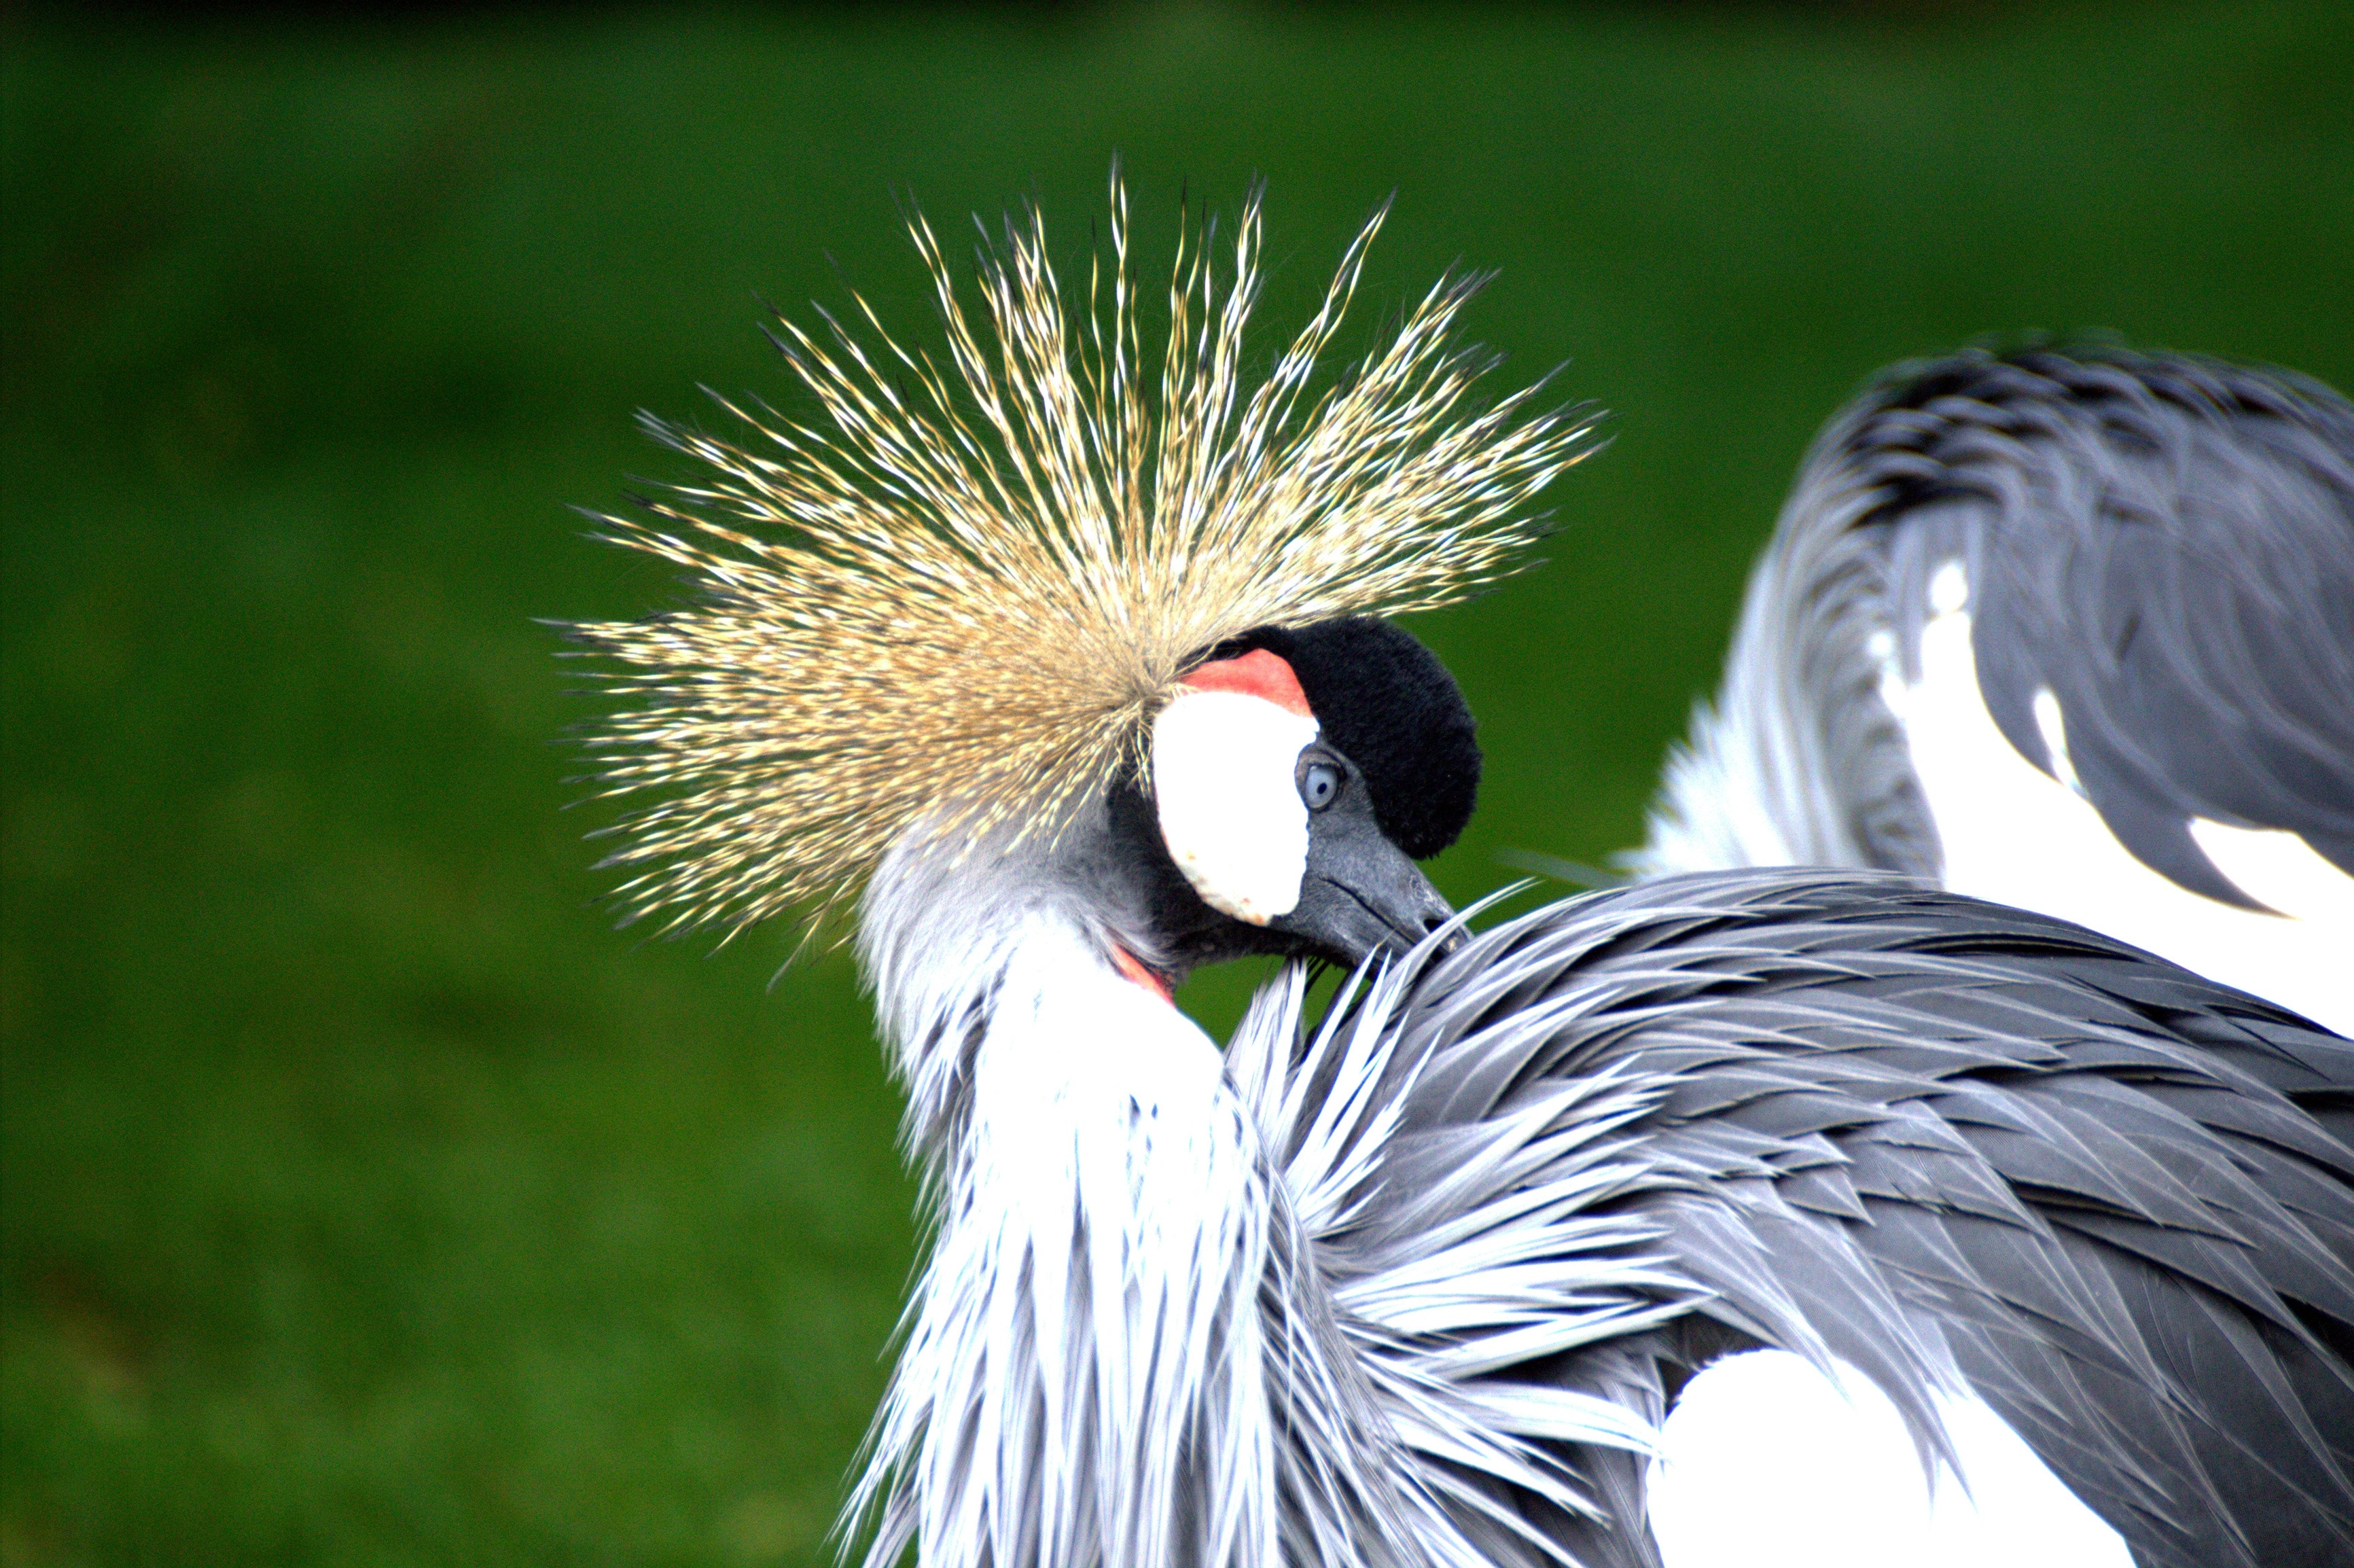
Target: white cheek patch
[(1223, 778)]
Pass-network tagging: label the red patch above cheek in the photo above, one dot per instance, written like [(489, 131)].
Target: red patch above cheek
[(1257, 673)]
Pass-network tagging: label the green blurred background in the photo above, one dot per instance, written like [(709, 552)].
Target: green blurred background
[(366, 1198)]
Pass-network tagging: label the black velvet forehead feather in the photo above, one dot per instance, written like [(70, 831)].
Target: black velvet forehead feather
[(1388, 705)]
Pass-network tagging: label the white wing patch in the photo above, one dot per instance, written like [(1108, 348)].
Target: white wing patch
[(1223, 778), (1767, 1463), (2280, 870), (2014, 833)]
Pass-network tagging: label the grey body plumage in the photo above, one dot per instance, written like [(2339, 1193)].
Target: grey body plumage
[(1940, 1139), (2165, 544)]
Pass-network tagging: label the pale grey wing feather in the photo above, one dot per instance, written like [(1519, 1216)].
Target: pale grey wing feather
[(1946, 1142)]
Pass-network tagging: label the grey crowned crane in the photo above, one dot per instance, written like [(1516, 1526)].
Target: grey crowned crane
[(1061, 670), (2071, 630)]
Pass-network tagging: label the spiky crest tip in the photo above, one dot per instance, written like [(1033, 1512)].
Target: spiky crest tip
[(969, 595)]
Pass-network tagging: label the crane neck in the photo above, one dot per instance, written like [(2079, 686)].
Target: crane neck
[(1084, 1378)]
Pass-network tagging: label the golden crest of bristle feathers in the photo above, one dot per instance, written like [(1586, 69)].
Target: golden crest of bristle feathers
[(970, 593)]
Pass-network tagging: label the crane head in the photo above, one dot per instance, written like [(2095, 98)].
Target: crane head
[(974, 590), (1296, 777)]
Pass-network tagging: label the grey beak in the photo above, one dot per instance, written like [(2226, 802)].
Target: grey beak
[(1361, 895)]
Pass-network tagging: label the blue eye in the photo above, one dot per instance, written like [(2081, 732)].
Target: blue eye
[(1320, 783)]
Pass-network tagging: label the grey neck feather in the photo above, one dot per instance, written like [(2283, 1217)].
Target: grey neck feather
[(941, 923), (1120, 1350)]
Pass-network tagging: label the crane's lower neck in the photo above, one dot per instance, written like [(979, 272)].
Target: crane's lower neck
[(1083, 1379)]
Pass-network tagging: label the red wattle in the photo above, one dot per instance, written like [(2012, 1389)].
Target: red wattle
[(1132, 966)]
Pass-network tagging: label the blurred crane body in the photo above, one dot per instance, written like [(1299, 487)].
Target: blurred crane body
[(2068, 629), (1064, 667)]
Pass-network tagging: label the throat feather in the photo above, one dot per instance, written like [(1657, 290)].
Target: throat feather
[(1085, 1373)]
